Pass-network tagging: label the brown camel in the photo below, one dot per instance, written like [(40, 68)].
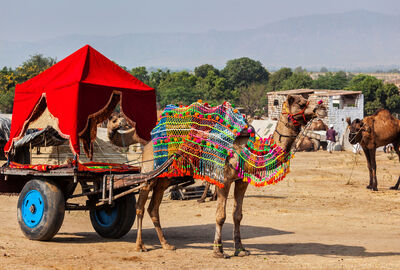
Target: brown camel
[(120, 133), (308, 144), (318, 124), (372, 132), (305, 144), (284, 135)]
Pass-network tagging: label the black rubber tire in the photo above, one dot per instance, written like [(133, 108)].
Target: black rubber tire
[(53, 210), (125, 217)]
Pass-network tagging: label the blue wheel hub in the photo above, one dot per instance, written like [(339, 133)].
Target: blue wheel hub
[(106, 217), (32, 208)]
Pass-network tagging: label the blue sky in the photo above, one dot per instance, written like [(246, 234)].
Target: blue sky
[(32, 20)]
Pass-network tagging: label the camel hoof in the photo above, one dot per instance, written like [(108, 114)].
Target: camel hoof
[(375, 189), (369, 187), (168, 247), (201, 200), (394, 188), (242, 252), (141, 248), (221, 255)]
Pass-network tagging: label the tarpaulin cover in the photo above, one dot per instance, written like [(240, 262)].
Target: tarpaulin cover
[(40, 138), (80, 87), (5, 125)]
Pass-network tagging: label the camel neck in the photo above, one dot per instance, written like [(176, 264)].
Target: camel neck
[(285, 133)]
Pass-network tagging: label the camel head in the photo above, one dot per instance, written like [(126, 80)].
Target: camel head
[(301, 110), (116, 123), (356, 127)]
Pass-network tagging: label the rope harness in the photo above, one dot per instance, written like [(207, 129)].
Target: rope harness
[(356, 133), (291, 116)]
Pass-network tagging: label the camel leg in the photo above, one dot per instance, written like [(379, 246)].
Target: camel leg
[(203, 197), (396, 148), (367, 156), (220, 219), (214, 195), (240, 190), (372, 154), (153, 210), (143, 195)]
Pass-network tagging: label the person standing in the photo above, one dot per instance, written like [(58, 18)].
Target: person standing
[(331, 138)]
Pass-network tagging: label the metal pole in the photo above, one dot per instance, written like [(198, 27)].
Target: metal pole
[(110, 194)]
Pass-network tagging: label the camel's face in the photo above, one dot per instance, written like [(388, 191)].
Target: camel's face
[(116, 122), (304, 111), (315, 109), (355, 128)]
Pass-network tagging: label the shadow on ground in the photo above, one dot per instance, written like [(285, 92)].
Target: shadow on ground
[(197, 235)]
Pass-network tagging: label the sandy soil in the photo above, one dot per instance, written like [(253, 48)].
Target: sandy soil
[(320, 217)]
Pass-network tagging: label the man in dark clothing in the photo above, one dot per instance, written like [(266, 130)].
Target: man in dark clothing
[(331, 138)]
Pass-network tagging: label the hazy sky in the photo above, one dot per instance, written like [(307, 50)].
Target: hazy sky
[(39, 19)]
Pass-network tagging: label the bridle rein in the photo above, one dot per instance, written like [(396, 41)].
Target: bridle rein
[(292, 115), (355, 133), (296, 124)]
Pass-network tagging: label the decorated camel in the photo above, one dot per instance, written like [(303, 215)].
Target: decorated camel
[(303, 144), (239, 157), (374, 131)]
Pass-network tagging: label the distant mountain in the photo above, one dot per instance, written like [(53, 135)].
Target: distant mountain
[(346, 40)]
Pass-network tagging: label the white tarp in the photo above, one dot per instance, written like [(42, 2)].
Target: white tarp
[(264, 128)]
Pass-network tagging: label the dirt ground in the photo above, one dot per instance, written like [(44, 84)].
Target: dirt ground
[(320, 217)]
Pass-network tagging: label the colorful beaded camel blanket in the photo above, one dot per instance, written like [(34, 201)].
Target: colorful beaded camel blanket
[(202, 137)]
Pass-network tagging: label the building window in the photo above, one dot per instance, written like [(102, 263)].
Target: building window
[(276, 102)]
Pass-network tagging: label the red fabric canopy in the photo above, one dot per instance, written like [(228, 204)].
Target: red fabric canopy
[(79, 88)]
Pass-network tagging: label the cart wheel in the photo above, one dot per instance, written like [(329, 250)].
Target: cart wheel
[(115, 221), (41, 209)]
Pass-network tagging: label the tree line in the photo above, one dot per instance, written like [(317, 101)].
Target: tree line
[(243, 81)]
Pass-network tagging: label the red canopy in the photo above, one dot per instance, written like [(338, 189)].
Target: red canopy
[(80, 91)]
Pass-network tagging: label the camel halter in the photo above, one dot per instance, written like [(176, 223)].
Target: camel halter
[(356, 133), (292, 115)]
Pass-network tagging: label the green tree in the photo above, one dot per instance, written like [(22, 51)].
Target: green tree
[(244, 71), (141, 74), (371, 106), (178, 87), (376, 93), (33, 66), (329, 80), (297, 81), (276, 79), (323, 70), (367, 84), (203, 70), (7, 101), (157, 76), (7, 79), (253, 98), (213, 88), (299, 70)]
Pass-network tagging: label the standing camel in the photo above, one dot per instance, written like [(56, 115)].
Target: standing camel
[(372, 132), (300, 112)]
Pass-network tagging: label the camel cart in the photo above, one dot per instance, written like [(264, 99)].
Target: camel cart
[(79, 92), (47, 191)]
